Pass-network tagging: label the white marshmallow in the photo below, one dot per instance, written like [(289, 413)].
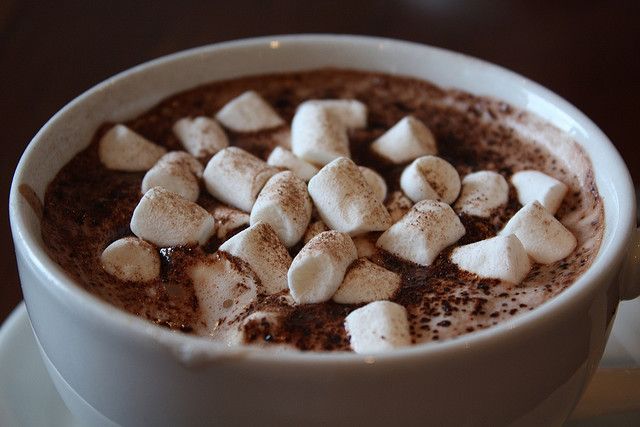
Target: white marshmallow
[(131, 259), (235, 177), (224, 290), (500, 257), (318, 135), (318, 269), (313, 230), (423, 232), (405, 141), (284, 158), (175, 171), (398, 205), (533, 185), (366, 282), (351, 113), (285, 205), (378, 327), (482, 193), (185, 160), (261, 249), (124, 150), (228, 219), (544, 238), (249, 112), (365, 246), (173, 178), (432, 178), (201, 136), (375, 181), (167, 219), (345, 201)]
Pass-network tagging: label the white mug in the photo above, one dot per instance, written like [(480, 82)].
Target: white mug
[(114, 368)]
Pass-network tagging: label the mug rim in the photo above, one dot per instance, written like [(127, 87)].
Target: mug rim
[(191, 348)]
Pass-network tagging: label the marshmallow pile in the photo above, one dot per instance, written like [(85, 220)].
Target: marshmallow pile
[(310, 195), (532, 234)]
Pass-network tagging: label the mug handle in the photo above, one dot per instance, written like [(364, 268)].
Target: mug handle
[(630, 273)]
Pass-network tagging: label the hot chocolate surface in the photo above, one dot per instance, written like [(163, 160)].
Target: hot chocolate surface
[(88, 206)]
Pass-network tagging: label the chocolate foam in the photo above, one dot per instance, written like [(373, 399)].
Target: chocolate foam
[(87, 207)]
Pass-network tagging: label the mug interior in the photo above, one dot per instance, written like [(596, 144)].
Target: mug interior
[(132, 92)]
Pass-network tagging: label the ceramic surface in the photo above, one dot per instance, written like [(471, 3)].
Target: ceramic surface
[(25, 383)]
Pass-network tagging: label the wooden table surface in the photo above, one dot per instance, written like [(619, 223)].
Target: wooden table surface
[(50, 52)]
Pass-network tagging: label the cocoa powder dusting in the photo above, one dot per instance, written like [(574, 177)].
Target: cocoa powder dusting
[(87, 207)]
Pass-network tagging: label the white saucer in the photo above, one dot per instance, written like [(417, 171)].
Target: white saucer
[(28, 398), (27, 395)]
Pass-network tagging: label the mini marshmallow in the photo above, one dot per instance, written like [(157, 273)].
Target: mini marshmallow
[(378, 327), (405, 141), (345, 201), (201, 136), (423, 232), (124, 150), (375, 181), (500, 257), (175, 171), (285, 205), (482, 193), (261, 249), (131, 259), (283, 158), (432, 178), (319, 268), (533, 185), (544, 238), (318, 135), (313, 230), (167, 219), (184, 159), (235, 177), (398, 205), (351, 113), (248, 112), (365, 282), (173, 178), (228, 219), (224, 290)]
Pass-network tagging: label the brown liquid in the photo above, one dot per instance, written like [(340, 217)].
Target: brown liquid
[(87, 207)]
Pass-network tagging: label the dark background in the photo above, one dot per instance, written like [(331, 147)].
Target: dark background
[(50, 52)]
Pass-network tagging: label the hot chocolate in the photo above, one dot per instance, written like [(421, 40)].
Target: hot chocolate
[(90, 205)]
